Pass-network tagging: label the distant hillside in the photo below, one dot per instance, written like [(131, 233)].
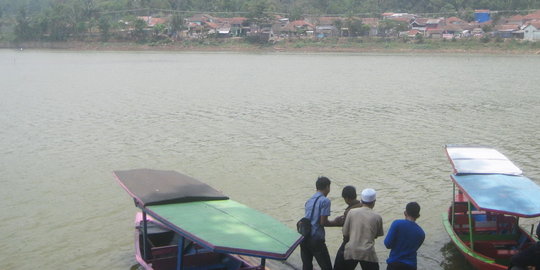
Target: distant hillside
[(292, 8)]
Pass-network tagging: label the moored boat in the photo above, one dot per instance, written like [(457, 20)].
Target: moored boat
[(186, 224), (492, 195)]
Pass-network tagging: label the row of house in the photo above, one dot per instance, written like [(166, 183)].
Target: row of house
[(517, 26)]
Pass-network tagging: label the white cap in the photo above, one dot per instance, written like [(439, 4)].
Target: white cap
[(368, 195)]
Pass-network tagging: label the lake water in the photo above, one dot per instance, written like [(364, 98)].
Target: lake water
[(259, 127)]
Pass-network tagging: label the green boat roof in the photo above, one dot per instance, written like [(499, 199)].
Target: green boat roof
[(207, 217), (230, 227)]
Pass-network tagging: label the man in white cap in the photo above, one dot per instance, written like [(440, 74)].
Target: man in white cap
[(361, 227)]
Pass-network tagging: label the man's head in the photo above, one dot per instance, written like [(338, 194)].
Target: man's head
[(412, 210), (368, 197), (323, 185), (348, 194)]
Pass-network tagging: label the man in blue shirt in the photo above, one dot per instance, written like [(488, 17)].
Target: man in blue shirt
[(317, 209), (404, 238)]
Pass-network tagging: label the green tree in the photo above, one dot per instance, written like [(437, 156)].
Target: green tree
[(339, 25), (295, 13), (158, 30), (467, 15), (138, 33), (176, 24), (419, 38), (60, 22), (104, 28), (388, 27), (258, 11), (448, 9), (23, 28)]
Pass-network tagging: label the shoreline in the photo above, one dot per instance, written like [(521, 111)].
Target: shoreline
[(280, 47)]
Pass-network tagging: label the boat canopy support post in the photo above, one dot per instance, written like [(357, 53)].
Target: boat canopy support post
[(453, 204), (180, 256), (263, 263), (145, 235), (470, 224)]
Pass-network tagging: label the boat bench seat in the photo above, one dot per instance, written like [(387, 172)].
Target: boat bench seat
[(461, 223), (499, 249), (506, 253), (164, 251)]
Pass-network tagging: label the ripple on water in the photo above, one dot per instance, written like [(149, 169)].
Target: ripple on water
[(261, 135)]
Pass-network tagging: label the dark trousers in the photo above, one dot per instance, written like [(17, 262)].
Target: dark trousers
[(399, 266), (351, 265), (339, 263), (315, 248)]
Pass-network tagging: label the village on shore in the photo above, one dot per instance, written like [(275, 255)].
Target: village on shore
[(486, 24), (481, 31)]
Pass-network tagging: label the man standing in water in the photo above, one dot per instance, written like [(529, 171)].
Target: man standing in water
[(404, 238), (317, 209), (361, 227), (349, 196)]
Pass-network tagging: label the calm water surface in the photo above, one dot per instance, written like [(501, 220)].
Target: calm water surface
[(259, 127)]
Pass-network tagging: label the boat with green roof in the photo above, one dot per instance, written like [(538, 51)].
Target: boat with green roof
[(185, 224)]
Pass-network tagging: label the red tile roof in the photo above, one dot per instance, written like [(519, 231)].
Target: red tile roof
[(533, 16), (536, 24), (400, 19), (292, 26), (452, 27), (455, 20), (373, 22), (516, 18), (151, 21), (506, 27), (234, 20), (421, 21), (328, 20), (212, 25), (413, 32)]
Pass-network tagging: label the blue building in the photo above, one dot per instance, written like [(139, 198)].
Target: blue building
[(482, 15)]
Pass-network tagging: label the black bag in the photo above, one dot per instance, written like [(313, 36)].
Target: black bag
[(303, 226)]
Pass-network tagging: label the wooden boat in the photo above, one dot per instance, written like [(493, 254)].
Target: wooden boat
[(212, 231), (483, 219)]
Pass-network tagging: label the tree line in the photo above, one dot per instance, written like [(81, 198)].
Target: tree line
[(62, 19)]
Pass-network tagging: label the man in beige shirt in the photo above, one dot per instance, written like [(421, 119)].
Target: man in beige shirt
[(361, 227)]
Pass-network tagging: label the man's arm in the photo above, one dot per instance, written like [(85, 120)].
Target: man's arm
[(345, 230), (331, 223), (325, 213), (380, 231)]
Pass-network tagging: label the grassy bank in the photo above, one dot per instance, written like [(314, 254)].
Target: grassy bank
[(489, 46)]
